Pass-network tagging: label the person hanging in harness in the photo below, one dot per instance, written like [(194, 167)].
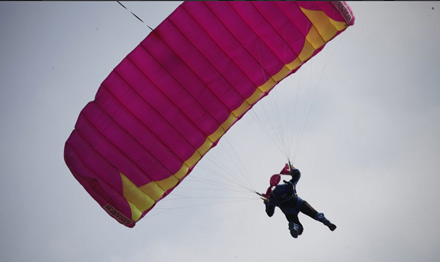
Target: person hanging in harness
[(285, 197)]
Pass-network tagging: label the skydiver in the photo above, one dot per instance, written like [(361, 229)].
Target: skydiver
[(285, 197)]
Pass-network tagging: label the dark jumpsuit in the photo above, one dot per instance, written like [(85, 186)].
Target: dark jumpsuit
[(290, 203)]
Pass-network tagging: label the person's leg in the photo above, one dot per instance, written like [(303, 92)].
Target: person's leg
[(307, 209), (320, 217), (295, 227)]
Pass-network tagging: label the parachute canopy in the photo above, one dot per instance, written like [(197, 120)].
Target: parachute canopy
[(176, 94)]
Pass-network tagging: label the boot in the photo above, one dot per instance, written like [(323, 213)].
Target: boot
[(320, 217), (331, 226), (295, 229)]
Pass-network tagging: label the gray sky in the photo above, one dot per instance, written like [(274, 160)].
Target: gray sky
[(368, 153)]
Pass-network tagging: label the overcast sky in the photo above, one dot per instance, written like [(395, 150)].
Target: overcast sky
[(368, 154)]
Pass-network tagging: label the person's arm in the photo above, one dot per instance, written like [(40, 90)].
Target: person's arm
[(270, 208), (296, 175)]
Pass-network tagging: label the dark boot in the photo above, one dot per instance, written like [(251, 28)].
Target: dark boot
[(320, 217), (295, 229)]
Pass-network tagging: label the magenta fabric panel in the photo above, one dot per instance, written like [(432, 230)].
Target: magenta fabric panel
[(264, 59), (287, 26), (111, 142), (148, 143), (300, 22), (185, 77), (228, 42), (89, 160), (95, 173), (214, 89), (154, 111), (313, 5), (253, 17), (231, 76), (166, 96), (166, 84), (328, 7)]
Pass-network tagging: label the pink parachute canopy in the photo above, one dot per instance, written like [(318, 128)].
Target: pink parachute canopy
[(174, 96)]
